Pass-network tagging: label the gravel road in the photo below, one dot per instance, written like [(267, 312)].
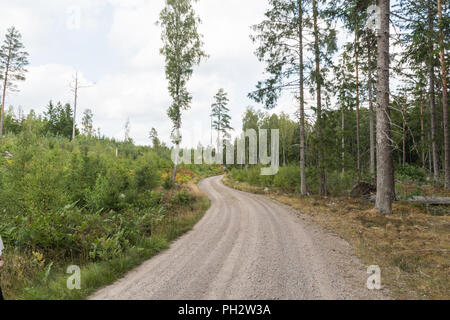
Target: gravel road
[(248, 247)]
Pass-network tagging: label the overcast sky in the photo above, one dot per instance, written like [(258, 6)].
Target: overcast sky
[(114, 46)]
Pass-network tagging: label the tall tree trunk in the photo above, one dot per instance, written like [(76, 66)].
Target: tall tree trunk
[(422, 134), (343, 138), (430, 165), (218, 132), (431, 93), (5, 83), (404, 134), (177, 146), (358, 137), (323, 189), (3, 106), (371, 113), (444, 98), (75, 107), (385, 165), (303, 189)]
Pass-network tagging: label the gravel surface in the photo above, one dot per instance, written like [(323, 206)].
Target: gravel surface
[(248, 247)]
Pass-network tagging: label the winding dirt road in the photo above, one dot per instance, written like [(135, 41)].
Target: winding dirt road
[(248, 247)]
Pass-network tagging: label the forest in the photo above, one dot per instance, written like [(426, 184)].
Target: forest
[(370, 136)]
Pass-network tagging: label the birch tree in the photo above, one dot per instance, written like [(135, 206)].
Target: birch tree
[(182, 49)]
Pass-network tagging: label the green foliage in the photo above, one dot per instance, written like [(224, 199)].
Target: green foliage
[(59, 119), (76, 201), (182, 49), (220, 115), (87, 123), (288, 179), (13, 60), (410, 173)]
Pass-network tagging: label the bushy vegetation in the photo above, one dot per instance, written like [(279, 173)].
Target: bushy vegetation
[(77, 201), (288, 179)]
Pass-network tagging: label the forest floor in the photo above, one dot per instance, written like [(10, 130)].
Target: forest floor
[(411, 246)]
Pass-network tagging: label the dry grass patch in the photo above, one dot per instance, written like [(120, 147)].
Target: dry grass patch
[(411, 246)]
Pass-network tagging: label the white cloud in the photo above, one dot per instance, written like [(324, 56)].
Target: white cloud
[(133, 83)]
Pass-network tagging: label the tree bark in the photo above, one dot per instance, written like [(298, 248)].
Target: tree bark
[(404, 134), (371, 113), (75, 107), (422, 134), (323, 190), (343, 138), (432, 93), (303, 189), (358, 137), (385, 166), (3, 104), (5, 83), (444, 99)]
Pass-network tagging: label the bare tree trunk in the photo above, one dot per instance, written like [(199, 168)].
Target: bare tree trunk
[(174, 171), (75, 106), (422, 133), (404, 135), (303, 189), (343, 138), (430, 165), (5, 83), (371, 113), (432, 94), (358, 137), (444, 99), (3, 106), (323, 189), (218, 132), (385, 165)]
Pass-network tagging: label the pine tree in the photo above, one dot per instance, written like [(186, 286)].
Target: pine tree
[(154, 137), (13, 61), (59, 119), (182, 49), (87, 122), (431, 81), (127, 130), (444, 97), (220, 115), (280, 39), (385, 166)]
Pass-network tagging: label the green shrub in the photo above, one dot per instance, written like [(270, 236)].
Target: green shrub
[(410, 173), (147, 178), (287, 178), (182, 198)]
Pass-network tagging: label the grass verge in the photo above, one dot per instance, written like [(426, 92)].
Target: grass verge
[(51, 282), (411, 246)]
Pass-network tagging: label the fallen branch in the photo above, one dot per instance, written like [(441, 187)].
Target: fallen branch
[(431, 200), (420, 199)]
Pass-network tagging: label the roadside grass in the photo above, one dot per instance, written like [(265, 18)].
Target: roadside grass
[(41, 282), (411, 246)]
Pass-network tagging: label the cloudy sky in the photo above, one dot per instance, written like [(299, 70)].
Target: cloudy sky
[(114, 47)]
